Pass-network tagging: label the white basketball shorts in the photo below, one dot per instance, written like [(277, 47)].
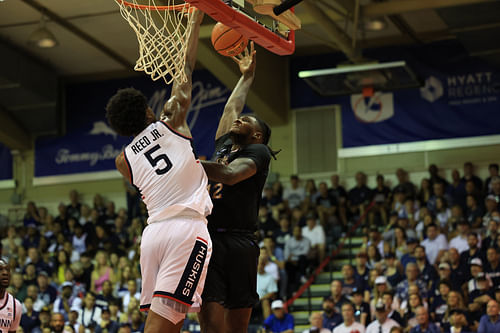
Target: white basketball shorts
[(174, 261)]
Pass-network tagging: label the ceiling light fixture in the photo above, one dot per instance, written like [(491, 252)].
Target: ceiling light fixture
[(375, 24), (42, 37)]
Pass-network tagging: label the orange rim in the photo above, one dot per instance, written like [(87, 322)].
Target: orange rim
[(185, 7)]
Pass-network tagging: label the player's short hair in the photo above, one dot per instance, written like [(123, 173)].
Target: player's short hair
[(126, 111)]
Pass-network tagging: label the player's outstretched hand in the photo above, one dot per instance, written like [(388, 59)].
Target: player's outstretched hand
[(246, 60)]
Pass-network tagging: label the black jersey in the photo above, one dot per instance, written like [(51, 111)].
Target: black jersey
[(236, 206)]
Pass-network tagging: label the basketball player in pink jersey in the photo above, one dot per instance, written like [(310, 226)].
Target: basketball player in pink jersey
[(175, 245), (10, 308)]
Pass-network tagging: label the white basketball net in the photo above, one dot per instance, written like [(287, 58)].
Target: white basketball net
[(162, 32)]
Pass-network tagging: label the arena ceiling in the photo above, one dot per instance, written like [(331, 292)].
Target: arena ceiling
[(95, 42)]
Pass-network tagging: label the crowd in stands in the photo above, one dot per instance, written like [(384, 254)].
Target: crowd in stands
[(430, 260), (77, 270)]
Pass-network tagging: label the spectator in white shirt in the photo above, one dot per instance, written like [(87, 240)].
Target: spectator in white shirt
[(89, 316), (316, 321), (435, 244), (349, 325), (65, 301), (459, 242), (266, 287), (277, 256), (382, 324), (295, 194), (271, 268), (316, 235), (296, 262)]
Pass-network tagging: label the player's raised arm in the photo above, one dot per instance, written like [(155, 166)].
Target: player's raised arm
[(236, 102), (176, 108)]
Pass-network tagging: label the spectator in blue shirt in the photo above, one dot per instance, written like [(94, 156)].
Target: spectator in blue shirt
[(279, 321), (412, 277), (331, 318), (47, 293), (490, 322), (29, 319), (411, 244), (424, 325)]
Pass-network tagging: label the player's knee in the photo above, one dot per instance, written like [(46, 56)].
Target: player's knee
[(171, 310), (211, 318)]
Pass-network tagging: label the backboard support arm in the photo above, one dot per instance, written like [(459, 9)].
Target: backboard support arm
[(285, 5)]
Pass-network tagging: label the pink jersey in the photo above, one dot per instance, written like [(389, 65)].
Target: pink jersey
[(10, 313)]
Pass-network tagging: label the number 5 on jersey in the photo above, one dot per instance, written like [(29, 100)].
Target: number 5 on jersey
[(155, 160)]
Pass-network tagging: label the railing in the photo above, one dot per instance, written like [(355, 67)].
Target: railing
[(306, 286)]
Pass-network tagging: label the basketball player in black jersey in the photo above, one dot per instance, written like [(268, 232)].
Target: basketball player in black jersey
[(237, 176)]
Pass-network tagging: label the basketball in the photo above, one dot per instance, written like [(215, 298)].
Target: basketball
[(228, 41)]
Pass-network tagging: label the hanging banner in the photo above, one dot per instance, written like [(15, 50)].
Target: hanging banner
[(90, 144), (460, 98)]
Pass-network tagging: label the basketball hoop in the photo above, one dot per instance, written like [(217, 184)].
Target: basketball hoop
[(162, 33)]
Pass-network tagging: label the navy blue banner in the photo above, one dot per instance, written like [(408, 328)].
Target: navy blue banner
[(91, 145), (5, 163), (461, 98)]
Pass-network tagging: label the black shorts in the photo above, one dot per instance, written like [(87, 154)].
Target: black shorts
[(232, 272)]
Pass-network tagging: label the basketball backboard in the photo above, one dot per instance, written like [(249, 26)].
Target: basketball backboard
[(352, 79), (241, 16)]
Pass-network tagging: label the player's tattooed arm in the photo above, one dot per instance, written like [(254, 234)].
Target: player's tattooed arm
[(176, 108), (236, 102), (232, 173)]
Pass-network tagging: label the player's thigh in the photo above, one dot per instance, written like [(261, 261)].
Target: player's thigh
[(215, 289), (241, 267), (150, 263), (158, 323), (183, 249)]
